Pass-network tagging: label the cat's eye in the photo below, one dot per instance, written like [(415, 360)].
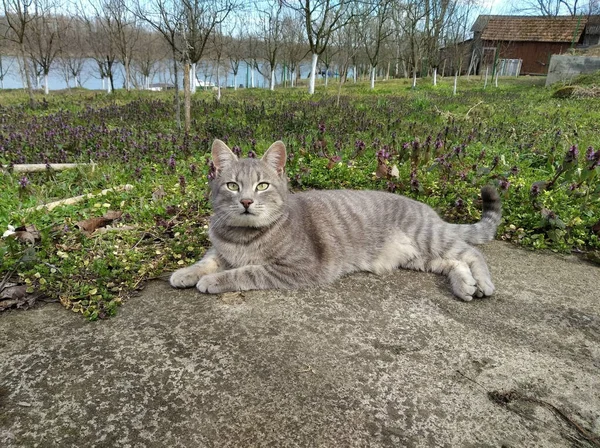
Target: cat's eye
[(262, 186), (233, 186)]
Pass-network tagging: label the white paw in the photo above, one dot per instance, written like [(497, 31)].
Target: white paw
[(485, 287), (465, 292), (208, 285), (185, 277)]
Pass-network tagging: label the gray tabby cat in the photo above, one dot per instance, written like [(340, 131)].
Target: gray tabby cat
[(264, 238)]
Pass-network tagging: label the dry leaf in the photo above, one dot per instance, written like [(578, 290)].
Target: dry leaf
[(89, 225), (395, 172), (382, 169), (16, 296), (113, 214), (27, 234)]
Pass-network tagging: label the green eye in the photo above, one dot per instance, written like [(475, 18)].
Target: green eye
[(262, 186), (233, 186)]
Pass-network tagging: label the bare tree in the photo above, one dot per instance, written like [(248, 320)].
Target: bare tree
[(321, 19), (294, 48), (43, 38), (374, 30), (234, 45), (270, 18), (149, 50), (553, 8), (73, 48), (124, 32), (18, 19)]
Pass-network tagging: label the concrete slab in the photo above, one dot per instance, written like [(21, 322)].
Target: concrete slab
[(367, 361)]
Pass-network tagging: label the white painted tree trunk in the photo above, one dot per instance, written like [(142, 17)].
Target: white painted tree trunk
[(455, 81), (103, 87), (496, 81), (46, 91), (235, 81), (373, 73), (326, 77), (414, 83), (435, 76), (313, 73), (354, 74), (292, 78), (272, 79), (486, 76), (252, 77), (193, 78)]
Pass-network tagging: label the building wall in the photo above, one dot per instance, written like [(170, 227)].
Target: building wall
[(535, 55)]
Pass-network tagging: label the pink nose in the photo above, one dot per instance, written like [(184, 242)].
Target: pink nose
[(246, 203)]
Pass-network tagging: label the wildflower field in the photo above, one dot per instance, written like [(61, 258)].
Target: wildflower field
[(541, 152)]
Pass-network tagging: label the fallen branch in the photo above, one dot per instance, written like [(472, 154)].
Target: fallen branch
[(469, 111), (76, 199), (34, 167)]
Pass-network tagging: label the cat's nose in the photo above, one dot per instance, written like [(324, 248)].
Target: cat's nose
[(246, 203)]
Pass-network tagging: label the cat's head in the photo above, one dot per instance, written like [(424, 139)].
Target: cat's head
[(248, 192)]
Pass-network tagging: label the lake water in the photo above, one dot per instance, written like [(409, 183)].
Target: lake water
[(90, 76)]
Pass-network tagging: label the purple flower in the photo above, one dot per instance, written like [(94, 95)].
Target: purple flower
[(590, 154), (359, 145), (251, 154), (321, 127), (193, 168), (504, 185), (383, 154), (237, 150), (572, 154), (459, 203), (24, 182), (171, 162), (535, 190), (391, 187)]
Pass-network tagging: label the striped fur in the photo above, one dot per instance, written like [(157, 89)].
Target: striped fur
[(311, 238)]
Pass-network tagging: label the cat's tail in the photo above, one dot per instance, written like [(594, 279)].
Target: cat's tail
[(485, 229)]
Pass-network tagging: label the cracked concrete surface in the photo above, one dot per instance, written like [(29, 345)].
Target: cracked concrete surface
[(367, 361)]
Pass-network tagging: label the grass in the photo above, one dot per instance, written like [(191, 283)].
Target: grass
[(541, 152)]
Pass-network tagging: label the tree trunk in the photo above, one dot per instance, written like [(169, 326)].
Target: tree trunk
[(272, 79), (46, 90), (414, 83), (234, 80), (435, 76), (373, 73), (177, 99), (455, 80), (313, 73), (326, 76), (127, 74), (27, 78), (252, 77), (187, 98)]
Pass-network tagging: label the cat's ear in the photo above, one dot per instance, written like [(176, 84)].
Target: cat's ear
[(222, 156), (276, 156)]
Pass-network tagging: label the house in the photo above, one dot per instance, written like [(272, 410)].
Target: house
[(160, 86), (530, 39)]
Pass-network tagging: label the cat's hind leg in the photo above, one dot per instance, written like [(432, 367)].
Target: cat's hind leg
[(189, 276), (467, 270)]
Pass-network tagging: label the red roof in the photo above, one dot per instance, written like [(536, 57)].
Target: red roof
[(532, 29)]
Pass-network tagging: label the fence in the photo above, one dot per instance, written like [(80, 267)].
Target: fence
[(509, 67)]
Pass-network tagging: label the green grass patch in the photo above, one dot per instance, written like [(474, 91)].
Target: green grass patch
[(541, 152)]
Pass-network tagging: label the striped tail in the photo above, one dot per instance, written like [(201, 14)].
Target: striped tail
[(484, 230)]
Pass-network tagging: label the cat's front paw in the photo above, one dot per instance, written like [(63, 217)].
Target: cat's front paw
[(185, 277), (209, 284)]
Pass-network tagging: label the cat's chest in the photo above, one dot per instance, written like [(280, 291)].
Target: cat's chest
[(237, 255)]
